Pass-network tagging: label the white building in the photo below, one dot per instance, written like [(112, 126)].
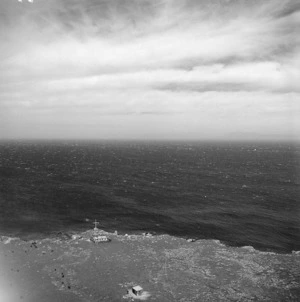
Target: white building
[(137, 290), (99, 238)]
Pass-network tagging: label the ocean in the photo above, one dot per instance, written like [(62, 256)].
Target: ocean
[(243, 194)]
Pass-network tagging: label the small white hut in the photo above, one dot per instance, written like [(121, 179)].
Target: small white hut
[(137, 290)]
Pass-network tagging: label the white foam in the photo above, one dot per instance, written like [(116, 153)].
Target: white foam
[(7, 240)]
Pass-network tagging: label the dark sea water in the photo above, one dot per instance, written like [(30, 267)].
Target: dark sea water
[(239, 193)]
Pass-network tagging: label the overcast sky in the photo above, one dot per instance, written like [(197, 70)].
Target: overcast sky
[(137, 69)]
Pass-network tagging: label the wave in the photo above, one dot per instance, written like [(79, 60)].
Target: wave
[(7, 239)]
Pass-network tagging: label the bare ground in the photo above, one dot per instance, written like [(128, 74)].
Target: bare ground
[(168, 268)]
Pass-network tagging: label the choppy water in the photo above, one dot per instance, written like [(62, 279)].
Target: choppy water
[(241, 193)]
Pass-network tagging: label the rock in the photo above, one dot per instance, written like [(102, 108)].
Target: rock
[(191, 240), (64, 236)]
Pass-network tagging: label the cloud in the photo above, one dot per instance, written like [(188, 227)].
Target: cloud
[(151, 59), (192, 42)]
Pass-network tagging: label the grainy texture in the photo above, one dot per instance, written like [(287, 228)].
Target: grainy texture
[(168, 268)]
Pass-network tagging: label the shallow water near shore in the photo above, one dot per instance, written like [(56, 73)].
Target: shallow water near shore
[(244, 194)]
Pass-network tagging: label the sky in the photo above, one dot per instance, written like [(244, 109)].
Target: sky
[(147, 69)]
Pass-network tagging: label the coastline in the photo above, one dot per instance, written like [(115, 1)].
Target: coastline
[(68, 233), (168, 268)]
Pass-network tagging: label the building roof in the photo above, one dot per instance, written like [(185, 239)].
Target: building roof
[(137, 288)]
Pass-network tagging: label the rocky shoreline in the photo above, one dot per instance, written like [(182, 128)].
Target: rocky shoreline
[(70, 267)]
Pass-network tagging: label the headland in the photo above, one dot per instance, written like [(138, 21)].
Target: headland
[(72, 268)]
